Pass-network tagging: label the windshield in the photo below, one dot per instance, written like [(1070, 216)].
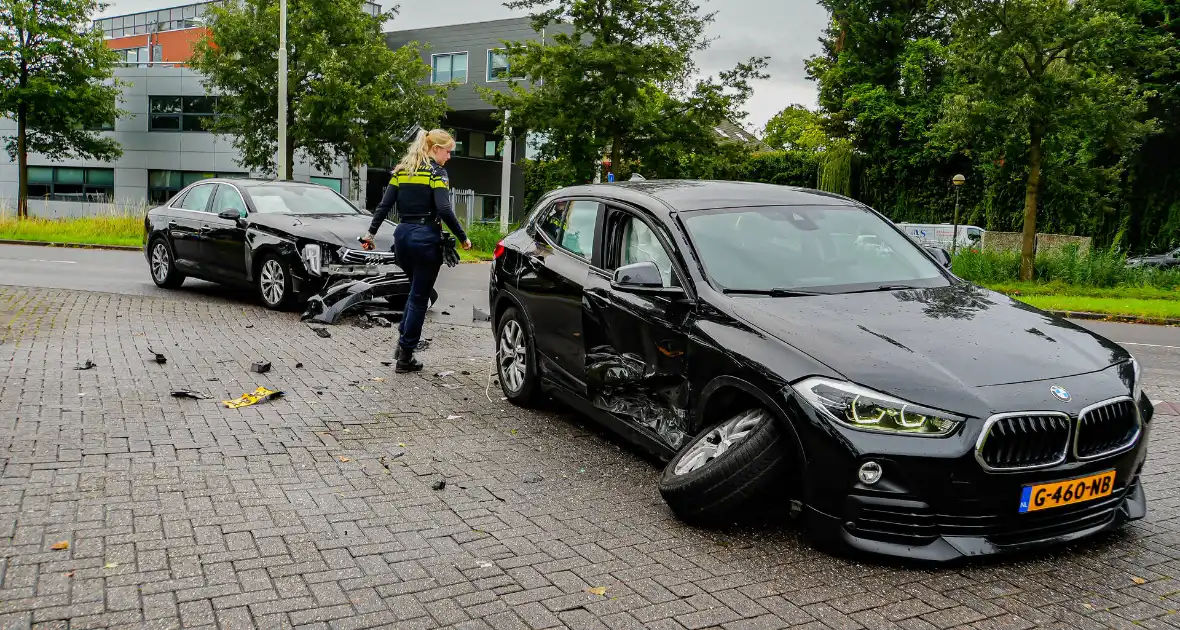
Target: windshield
[(826, 249), (299, 200)]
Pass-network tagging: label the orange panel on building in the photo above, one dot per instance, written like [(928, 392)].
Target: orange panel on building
[(175, 46)]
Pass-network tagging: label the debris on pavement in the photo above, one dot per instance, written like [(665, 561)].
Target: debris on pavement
[(322, 332), (532, 478), (298, 366), (453, 417), (158, 358), (478, 315), (184, 393), (444, 374), (439, 484), (597, 590), (251, 398), (260, 367), (60, 546), (328, 306), (85, 365)]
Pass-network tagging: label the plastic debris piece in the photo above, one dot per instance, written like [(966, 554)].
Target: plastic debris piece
[(438, 484), (453, 417), (85, 365), (158, 358), (345, 459), (110, 565), (1138, 580), (401, 444), (251, 398), (445, 373), (478, 315), (260, 367), (322, 332), (446, 312), (249, 325), (597, 590), (60, 546), (298, 366), (532, 478), (466, 373), (184, 393)]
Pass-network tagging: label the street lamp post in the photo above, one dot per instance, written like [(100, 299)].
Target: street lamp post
[(958, 180), (282, 89)]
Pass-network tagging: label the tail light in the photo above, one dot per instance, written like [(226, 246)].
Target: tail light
[(496, 253)]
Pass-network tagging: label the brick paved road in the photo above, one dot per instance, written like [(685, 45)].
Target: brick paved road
[(317, 510)]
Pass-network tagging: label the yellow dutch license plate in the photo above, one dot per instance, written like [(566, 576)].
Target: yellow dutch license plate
[(1050, 495)]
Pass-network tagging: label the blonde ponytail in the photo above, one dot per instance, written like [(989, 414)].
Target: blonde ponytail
[(418, 155)]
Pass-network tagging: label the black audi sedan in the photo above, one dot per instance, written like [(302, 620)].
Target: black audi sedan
[(783, 346), (285, 239)]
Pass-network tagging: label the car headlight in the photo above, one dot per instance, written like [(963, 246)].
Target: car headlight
[(312, 257), (863, 409), (1137, 385)]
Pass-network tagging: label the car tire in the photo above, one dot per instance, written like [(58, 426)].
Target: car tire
[(705, 487), (273, 282), (162, 265), (515, 365)]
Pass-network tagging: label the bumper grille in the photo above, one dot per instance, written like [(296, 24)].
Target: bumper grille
[(357, 257), (1023, 441), (1106, 429), (917, 523)]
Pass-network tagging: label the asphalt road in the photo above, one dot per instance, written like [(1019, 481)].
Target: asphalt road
[(460, 289)]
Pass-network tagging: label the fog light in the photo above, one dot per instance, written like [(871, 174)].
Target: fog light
[(870, 472)]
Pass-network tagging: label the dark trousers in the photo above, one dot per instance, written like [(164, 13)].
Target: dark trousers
[(419, 255)]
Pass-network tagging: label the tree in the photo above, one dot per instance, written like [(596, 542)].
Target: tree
[(349, 96), (1045, 75), (56, 80), (621, 83), (796, 127)]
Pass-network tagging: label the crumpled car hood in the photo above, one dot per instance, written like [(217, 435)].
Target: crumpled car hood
[(921, 339), (328, 229)]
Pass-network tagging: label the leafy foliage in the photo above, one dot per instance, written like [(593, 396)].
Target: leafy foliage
[(350, 98), (796, 127), (56, 81), (621, 84)]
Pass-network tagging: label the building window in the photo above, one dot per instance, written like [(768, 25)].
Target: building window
[(60, 183), (498, 65), (163, 185), (330, 182), (181, 113), (448, 68)]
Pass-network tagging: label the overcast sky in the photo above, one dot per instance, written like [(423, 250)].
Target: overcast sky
[(784, 30)]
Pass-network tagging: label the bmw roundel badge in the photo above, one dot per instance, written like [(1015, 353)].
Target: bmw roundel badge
[(1061, 393)]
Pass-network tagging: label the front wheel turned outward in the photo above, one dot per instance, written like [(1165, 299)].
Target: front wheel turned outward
[(514, 359), (715, 477)]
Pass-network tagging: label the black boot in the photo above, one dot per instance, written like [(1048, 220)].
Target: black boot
[(406, 362), (397, 353)]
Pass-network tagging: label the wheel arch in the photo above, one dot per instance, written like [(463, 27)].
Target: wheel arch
[(728, 394)]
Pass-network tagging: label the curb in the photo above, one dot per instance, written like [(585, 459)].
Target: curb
[(120, 248), (1126, 319)]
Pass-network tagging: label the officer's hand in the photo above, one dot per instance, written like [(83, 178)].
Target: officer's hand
[(366, 242), (467, 244)]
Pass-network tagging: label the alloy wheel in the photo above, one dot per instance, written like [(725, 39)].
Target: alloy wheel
[(160, 262), (512, 355), (273, 282), (718, 441)]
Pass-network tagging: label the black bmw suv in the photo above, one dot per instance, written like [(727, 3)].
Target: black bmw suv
[(776, 344)]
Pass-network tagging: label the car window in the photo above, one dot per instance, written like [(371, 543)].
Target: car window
[(639, 244), (295, 199), (197, 198), (228, 198), (578, 234), (829, 249), (552, 219)]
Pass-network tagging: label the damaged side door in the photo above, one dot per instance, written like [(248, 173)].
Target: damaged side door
[(635, 322)]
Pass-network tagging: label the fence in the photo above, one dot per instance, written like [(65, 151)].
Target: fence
[(1013, 241)]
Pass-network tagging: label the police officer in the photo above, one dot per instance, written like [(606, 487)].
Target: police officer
[(421, 189)]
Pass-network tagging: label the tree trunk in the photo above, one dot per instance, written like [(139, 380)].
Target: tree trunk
[(22, 162), (1027, 253), (290, 148)]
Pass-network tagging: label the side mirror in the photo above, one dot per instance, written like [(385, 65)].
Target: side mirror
[(643, 277), (231, 215), (941, 255)]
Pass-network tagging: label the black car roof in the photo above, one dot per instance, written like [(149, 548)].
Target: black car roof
[(680, 194)]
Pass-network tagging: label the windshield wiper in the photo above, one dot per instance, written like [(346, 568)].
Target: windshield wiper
[(885, 287), (772, 292)]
